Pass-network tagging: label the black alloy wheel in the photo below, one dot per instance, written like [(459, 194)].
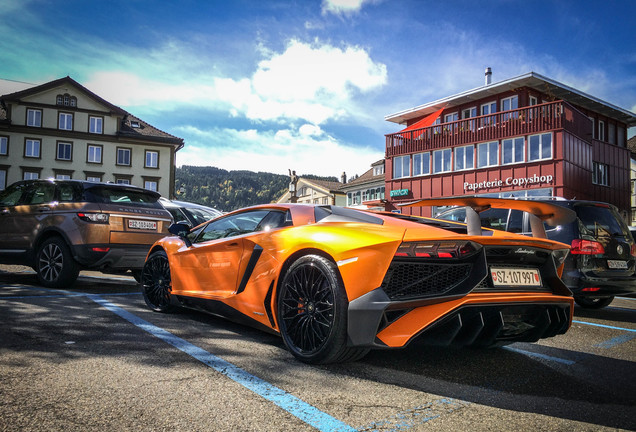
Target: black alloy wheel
[(312, 308), (593, 302), (55, 266), (156, 284)]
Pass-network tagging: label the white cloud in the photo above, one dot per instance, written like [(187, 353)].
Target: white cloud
[(313, 82), (308, 150), (340, 7)]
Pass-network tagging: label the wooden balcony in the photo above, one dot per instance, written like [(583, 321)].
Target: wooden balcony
[(523, 121)]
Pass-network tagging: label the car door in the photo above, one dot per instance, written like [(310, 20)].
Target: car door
[(35, 206), (212, 265), (10, 218)]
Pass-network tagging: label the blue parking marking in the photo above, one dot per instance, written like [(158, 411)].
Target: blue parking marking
[(541, 356), (611, 343), (604, 325), (298, 408)]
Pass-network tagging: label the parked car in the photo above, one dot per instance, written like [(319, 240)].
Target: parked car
[(335, 282), (191, 213), (59, 227), (601, 262)]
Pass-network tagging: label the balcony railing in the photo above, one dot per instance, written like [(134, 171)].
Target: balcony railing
[(522, 121)]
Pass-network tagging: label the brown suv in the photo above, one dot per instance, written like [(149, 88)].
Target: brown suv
[(59, 227)]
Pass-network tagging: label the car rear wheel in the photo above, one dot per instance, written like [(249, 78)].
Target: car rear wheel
[(55, 265), (312, 307), (156, 283), (593, 303)]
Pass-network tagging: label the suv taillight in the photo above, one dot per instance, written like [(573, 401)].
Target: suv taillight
[(634, 250), (443, 249), (94, 217), (586, 247)]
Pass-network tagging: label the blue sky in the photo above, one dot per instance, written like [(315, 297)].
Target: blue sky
[(270, 85)]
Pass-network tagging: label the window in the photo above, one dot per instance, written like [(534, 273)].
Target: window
[(238, 224), (620, 136), (533, 100), (95, 125), (601, 130), (30, 175), (539, 147), (401, 166), (64, 151), (63, 176), (600, 174), (151, 185), (486, 109), (123, 156), (611, 133), (469, 113), (512, 150), (442, 161), (593, 127), (4, 145), (32, 148), (464, 158), (65, 121), (487, 154), (122, 181), (66, 100), (508, 104), (94, 154), (152, 159), (451, 118), (378, 170), (93, 179), (34, 118), (421, 164), (3, 179)]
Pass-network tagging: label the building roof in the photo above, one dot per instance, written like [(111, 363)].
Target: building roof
[(631, 144), (329, 186), (532, 80), (131, 126)]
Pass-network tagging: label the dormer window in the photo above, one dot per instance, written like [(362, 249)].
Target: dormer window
[(134, 124), (66, 100)]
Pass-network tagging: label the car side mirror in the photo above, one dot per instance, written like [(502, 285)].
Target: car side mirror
[(180, 229)]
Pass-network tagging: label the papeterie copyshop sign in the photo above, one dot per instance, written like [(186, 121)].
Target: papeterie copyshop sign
[(510, 181)]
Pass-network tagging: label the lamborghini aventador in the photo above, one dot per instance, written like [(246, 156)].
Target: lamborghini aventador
[(336, 282)]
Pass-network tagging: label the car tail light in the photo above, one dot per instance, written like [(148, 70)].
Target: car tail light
[(439, 249), (634, 250), (591, 289), (94, 217), (101, 249), (586, 247)]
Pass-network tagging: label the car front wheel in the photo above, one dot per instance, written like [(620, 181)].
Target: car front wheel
[(312, 308), (156, 283), (55, 265)]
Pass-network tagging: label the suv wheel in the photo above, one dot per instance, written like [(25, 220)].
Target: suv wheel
[(54, 264), (593, 303)]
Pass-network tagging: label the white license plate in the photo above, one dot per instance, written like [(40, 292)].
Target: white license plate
[(617, 264), (515, 277), (141, 224)]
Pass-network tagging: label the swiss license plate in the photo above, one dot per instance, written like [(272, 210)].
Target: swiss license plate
[(142, 224), (515, 277), (617, 264)]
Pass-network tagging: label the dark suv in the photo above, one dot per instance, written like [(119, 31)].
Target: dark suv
[(602, 257), (59, 227)]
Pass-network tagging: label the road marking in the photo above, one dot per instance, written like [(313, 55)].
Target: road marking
[(603, 325), (541, 356), (611, 343), (410, 418), (35, 296), (293, 405)]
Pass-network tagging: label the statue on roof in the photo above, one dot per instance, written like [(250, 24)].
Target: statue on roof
[(293, 181)]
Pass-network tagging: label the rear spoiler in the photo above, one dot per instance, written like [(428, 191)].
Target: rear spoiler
[(538, 212)]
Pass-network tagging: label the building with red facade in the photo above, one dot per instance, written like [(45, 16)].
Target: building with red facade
[(525, 136)]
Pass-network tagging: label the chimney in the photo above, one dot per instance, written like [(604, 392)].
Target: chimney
[(343, 178), (488, 76)]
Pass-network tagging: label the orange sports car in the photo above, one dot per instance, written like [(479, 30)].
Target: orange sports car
[(335, 282)]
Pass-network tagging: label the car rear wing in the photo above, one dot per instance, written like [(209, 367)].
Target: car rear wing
[(538, 212)]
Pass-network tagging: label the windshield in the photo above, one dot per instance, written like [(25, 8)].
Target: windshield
[(127, 196), (600, 221)]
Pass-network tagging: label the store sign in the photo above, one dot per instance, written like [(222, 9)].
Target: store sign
[(399, 192), (510, 181)]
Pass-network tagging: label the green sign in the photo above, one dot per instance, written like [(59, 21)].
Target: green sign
[(399, 192)]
